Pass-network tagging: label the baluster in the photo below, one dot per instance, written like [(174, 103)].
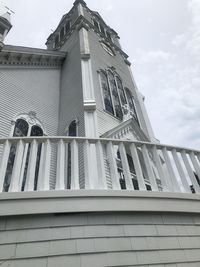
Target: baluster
[(150, 173), (195, 163), (44, 173), (181, 171), (101, 167), (30, 178), (138, 168), (87, 165), (74, 166), (125, 166), (15, 184), (172, 181), (4, 162), (113, 166), (162, 176), (190, 171), (60, 173)]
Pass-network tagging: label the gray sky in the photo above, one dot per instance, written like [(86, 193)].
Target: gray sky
[(162, 39)]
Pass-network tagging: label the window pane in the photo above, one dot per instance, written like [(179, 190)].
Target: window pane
[(106, 93), (131, 103), (36, 131), (72, 129), (121, 91), (113, 87), (21, 128)]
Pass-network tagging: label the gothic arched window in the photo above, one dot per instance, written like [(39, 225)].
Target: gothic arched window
[(106, 93), (72, 130), (121, 91), (23, 127), (131, 103), (115, 95)]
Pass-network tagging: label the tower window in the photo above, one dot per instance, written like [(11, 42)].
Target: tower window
[(121, 91), (116, 98), (106, 92), (62, 33), (57, 41), (67, 26), (102, 29), (131, 103), (115, 95), (96, 24)]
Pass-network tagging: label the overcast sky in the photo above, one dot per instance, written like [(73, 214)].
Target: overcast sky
[(162, 39)]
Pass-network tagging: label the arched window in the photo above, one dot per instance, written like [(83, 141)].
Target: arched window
[(72, 130), (106, 93), (131, 103), (121, 91), (115, 95), (25, 126)]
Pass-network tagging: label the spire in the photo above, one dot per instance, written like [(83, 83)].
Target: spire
[(79, 2)]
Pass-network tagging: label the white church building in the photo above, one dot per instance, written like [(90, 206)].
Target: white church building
[(83, 180)]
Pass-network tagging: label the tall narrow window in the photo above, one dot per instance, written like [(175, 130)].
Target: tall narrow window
[(115, 95), (62, 33), (121, 91), (96, 24), (67, 26), (72, 131), (106, 93), (131, 103)]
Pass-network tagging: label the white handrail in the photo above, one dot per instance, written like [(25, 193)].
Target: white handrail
[(60, 163)]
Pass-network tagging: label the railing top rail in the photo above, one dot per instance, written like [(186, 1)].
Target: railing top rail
[(67, 139)]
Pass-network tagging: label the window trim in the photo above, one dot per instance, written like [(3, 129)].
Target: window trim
[(30, 118)]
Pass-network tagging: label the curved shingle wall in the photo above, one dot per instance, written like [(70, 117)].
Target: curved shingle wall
[(100, 239)]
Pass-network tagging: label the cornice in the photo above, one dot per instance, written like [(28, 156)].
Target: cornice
[(24, 56)]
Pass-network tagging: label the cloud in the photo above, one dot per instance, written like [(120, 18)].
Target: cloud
[(154, 56), (193, 45), (179, 40)]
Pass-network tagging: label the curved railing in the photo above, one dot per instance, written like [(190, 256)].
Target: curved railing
[(68, 163)]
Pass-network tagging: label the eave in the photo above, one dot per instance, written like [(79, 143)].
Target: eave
[(26, 56)]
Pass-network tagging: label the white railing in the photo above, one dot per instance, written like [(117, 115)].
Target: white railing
[(64, 163)]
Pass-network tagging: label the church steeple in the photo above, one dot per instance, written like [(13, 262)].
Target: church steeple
[(5, 26), (79, 2)]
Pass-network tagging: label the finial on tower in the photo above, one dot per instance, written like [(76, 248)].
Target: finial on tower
[(79, 2), (5, 24)]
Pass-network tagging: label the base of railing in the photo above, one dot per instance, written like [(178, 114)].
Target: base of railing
[(78, 201)]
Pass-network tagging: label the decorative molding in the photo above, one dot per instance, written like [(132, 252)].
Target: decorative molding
[(85, 56), (90, 105), (22, 56)]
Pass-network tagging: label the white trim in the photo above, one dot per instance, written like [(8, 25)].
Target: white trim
[(27, 118)]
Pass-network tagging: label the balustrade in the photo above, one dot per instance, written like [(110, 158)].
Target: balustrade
[(105, 164)]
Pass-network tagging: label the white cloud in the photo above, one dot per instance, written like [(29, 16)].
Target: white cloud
[(179, 40), (154, 56), (193, 44)]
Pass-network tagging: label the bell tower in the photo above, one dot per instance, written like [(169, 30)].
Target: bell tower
[(97, 86), (5, 25)]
